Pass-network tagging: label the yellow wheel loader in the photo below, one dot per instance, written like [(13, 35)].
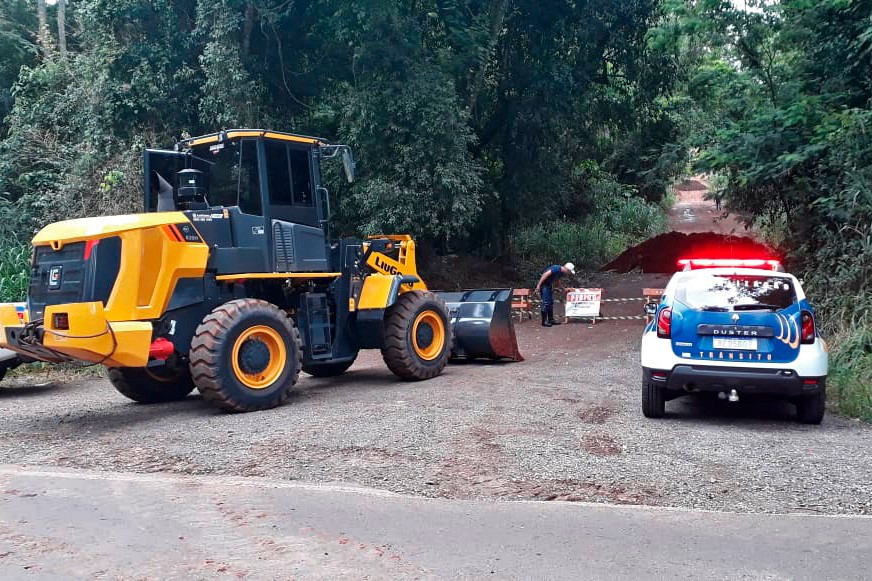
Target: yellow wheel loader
[(230, 282)]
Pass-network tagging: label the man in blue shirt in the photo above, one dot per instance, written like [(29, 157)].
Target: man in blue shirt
[(546, 282)]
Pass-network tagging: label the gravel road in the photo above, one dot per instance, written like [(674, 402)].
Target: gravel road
[(565, 424)]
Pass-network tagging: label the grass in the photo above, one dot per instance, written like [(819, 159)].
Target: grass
[(14, 271), (850, 377), (617, 224)]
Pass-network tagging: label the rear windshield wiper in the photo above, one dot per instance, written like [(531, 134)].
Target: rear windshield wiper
[(757, 307), (715, 309)]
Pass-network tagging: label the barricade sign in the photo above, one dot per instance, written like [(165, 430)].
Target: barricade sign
[(583, 302)]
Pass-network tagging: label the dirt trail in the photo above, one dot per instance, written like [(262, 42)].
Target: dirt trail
[(698, 229), (694, 213)]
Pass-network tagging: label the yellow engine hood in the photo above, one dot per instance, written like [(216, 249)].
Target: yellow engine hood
[(102, 226)]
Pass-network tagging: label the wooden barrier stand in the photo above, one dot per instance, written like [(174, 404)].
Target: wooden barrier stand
[(522, 303), (651, 295)]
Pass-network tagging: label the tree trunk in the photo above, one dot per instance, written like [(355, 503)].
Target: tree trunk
[(43, 34), (62, 28), (498, 17), (248, 28)]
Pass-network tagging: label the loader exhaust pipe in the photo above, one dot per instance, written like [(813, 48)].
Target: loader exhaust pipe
[(482, 321)]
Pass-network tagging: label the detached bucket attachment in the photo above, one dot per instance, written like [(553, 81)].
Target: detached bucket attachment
[(482, 321)]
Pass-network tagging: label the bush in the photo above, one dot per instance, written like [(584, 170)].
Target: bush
[(851, 372), (14, 270), (615, 225)]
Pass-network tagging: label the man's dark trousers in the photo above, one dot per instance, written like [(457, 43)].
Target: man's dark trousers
[(547, 303)]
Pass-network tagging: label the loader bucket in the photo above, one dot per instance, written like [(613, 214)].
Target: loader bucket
[(482, 321)]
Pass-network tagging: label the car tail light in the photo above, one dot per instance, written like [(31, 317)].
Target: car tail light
[(695, 263), (664, 324), (60, 322), (808, 331)]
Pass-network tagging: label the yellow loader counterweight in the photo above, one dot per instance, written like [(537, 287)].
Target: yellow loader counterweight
[(228, 282)]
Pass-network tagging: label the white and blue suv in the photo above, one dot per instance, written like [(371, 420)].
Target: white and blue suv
[(734, 327)]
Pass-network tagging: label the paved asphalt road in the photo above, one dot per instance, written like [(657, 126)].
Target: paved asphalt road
[(62, 525)]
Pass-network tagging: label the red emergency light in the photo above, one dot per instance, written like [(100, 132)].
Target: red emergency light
[(761, 263)]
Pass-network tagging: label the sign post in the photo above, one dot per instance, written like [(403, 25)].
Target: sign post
[(583, 303)]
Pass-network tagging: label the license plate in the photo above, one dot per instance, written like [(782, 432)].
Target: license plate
[(735, 344)]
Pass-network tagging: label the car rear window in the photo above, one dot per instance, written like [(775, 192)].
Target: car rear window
[(737, 292)]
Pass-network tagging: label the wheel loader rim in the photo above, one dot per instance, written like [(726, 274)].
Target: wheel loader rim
[(430, 319), (278, 357)]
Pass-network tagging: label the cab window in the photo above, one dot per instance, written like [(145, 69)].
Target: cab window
[(301, 175), (289, 174), (249, 179), (278, 173), (233, 175)]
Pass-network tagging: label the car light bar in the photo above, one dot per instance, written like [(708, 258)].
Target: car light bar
[(763, 263)]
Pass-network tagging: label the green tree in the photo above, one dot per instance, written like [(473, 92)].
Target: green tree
[(17, 49)]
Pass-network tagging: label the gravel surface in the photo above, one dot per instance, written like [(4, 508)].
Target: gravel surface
[(565, 424)]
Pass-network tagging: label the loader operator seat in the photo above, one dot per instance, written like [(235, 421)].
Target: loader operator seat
[(192, 189)]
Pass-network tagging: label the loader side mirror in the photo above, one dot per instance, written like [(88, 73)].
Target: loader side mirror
[(651, 309), (348, 163)]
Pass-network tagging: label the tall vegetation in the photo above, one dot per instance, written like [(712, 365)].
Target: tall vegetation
[(468, 117), (780, 92)]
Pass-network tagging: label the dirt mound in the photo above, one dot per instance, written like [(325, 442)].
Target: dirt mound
[(690, 186), (662, 253)]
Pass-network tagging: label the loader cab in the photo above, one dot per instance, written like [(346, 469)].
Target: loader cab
[(255, 196)]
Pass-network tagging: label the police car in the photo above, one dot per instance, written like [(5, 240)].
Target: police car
[(734, 328)]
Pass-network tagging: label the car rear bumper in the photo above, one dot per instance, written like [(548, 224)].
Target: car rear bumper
[(811, 361), (746, 380)]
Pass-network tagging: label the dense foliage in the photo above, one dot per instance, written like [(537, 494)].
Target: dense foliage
[(780, 96), (469, 118)]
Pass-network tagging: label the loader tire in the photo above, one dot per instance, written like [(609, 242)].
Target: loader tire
[(418, 336), (157, 385), (246, 356), (9, 364), (328, 369)]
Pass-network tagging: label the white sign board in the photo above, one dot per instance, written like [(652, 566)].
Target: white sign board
[(583, 302)]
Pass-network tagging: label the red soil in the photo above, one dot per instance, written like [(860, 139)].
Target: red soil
[(662, 253)]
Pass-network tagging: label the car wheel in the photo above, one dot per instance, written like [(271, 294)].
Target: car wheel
[(810, 409), (653, 401)]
